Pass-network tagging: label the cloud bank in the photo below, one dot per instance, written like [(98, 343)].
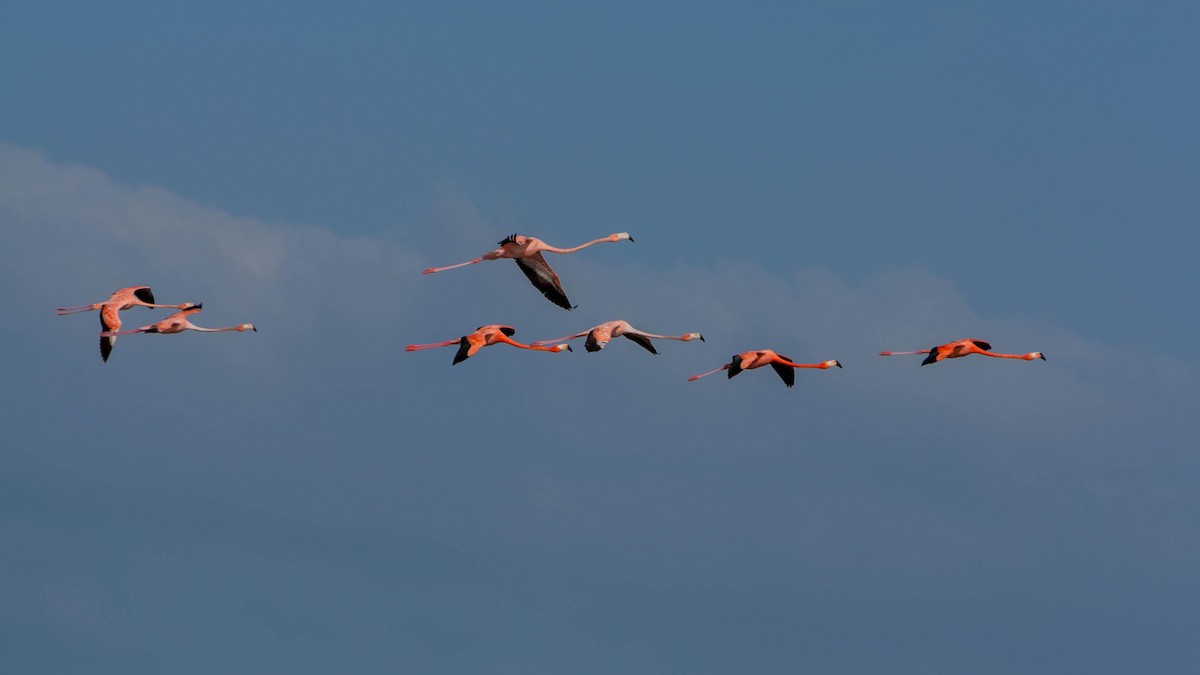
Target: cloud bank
[(312, 496)]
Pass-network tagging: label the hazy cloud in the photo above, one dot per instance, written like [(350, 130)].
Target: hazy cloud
[(312, 488)]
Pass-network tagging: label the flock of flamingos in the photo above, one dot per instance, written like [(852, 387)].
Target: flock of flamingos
[(527, 252)]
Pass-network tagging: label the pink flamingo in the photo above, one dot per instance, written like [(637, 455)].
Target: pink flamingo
[(177, 323), (485, 336), (527, 251), (600, 336), (958, 348), (110, 317), (782, 365)]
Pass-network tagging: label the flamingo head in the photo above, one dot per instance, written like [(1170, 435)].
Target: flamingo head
[(1035, 355), (192, 305), (620, 236), (831, 364), (246, 327), (564, 347), (693, 336)]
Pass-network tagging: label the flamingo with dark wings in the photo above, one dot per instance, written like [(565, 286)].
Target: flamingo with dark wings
[(527, 252), (599, 336), (960, 348), (782, 365), (485, 336), (179, 322)]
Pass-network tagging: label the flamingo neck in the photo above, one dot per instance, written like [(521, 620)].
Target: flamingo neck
[(791, 364), (1023, 357), (555, 249)]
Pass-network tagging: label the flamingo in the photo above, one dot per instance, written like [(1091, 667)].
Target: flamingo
[(177, 323), (782, 365), (599, 336), (110, 317), (527, 251), (953, 350), (485, 336)]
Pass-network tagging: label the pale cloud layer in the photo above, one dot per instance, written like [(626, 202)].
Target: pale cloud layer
[(313, 490)]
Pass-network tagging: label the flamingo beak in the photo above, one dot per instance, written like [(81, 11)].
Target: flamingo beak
[(569, 348), (702, 338), (1042, 355), (838, 364), (631, 239)]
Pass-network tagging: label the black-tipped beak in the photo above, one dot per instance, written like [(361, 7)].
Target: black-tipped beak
[(1043, 356), (838, 364), (702, 338), (254, 328), (569, 348), (198, 305), (631, 239)]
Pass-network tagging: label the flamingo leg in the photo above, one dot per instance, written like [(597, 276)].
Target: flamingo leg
[(109, 333), (711, 372), (557, 340), (447, 343), (434, 270), (62, 311)]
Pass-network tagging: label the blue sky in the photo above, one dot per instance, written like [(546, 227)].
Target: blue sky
[(825, 181)]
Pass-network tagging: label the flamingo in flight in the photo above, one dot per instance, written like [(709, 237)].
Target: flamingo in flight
[(958, 348), (782, 365), (179, 322), (527, 251), (600, 336), (110, 317), (485, 336)]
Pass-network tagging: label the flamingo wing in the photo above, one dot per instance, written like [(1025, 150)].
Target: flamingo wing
[(785, 373), (507, 330), (935, 355), (110, 321), (143, 293), (643, 341), (464, 351), (592, 344), (544, 279), (982, 345), (735, 366)]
